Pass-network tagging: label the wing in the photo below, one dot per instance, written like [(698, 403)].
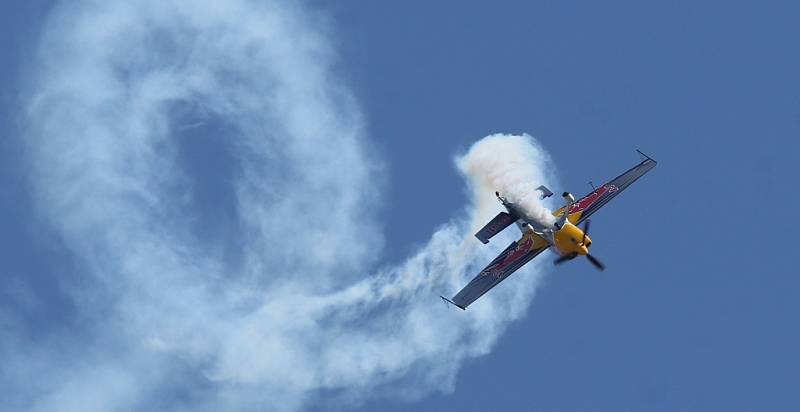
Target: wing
[(514, 257), (587, 205)]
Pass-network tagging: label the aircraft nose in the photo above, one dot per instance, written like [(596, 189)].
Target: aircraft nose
[(584, 250)]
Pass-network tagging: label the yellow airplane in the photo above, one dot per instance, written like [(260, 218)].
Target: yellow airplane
[(564, 236)]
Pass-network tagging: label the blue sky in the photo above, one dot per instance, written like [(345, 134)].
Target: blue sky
[(696, 310)]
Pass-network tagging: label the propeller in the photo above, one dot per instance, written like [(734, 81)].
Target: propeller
[(569, 256), (598, 264), (563, 258), (585, 231), (593, 260)]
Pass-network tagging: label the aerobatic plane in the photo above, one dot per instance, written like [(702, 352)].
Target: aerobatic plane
[(565, 237)]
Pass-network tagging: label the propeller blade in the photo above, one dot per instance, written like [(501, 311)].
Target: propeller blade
[(563, 258), (598, 264), (585, 231)]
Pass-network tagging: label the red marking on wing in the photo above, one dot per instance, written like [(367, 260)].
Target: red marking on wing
[(587, 201), (496, 226), (521, 250)]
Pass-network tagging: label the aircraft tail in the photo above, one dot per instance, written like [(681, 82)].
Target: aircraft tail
[(495, 226)]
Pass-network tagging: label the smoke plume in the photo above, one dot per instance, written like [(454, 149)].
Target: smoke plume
[(512, 166), (253, 280)]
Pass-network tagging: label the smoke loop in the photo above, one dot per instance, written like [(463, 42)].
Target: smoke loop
[(120, 91)]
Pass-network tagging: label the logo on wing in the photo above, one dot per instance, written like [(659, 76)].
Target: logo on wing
[(587, 201), (497, 269), (498, 225)]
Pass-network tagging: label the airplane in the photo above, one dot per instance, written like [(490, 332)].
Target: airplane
[(564, 237)]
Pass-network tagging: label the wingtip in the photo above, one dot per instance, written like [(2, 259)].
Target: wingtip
[(646, 156), (452, 303)]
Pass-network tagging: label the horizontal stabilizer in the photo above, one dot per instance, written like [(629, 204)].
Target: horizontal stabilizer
[(495, 226)]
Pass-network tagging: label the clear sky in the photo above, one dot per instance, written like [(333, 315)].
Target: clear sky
[(697, 309)]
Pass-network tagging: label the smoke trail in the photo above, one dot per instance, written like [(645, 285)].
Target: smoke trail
[(175, 319), (512, 165)]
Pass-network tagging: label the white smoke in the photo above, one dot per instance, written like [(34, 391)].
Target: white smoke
[(511, 165), (175, 319)]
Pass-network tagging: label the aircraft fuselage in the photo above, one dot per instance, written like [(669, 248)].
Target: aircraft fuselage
[(570, 239)]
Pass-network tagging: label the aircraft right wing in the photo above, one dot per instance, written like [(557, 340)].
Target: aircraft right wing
[(513, 257), (587, 205)]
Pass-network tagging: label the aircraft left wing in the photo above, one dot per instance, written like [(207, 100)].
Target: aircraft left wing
[(513, 257), (587, 205)]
